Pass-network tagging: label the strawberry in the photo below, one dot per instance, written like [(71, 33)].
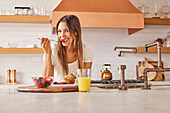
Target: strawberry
[(40, 86), (63, 40), (61, 83), (43, 81), (48, 79), (37, 83)]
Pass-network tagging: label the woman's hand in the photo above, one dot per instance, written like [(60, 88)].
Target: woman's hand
[(45, 43)]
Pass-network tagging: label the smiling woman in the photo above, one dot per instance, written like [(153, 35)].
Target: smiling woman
[(70, 53)]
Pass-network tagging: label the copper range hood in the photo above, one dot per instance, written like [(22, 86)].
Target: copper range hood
[(101, 14)]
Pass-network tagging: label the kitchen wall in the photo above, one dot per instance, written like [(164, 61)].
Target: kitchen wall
[(103, 40)]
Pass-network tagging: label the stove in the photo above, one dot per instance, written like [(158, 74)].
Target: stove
[(132, 83)]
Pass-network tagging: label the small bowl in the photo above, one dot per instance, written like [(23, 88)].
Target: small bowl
[(12, 45), (42, 82)]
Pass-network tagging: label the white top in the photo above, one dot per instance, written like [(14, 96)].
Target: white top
[(58, 71)]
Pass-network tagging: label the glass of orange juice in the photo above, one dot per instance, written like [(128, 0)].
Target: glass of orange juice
[(84, 79)]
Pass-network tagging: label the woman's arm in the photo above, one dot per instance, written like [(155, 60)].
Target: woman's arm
[(87, 65), (48, 67)]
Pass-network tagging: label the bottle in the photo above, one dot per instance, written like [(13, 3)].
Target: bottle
[(8, 76), (13, 76)]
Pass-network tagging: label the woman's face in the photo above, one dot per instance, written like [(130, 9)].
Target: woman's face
[(64, 34)]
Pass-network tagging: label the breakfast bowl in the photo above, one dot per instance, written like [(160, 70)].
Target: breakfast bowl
[(42, 82)]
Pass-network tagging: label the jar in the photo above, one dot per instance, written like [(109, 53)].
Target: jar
[(30, 11), (25, 10), (168, 41), (13, 76), (22, 10), (18, 10), (8, 76)]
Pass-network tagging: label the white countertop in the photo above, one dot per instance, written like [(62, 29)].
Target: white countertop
[(98, 100)]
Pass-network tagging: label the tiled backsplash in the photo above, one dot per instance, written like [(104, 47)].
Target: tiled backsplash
[(103, 40)]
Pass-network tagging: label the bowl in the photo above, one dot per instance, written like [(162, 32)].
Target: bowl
[(42, 82)]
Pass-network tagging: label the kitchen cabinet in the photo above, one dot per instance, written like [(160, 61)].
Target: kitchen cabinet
[(24, 19), (21, 50), (157, 21)]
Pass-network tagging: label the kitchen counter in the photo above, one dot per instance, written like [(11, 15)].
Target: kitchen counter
[(98, 100)]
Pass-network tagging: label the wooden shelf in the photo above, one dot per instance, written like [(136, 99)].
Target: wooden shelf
[(21, 50), (157, 21), (24, 19), (46, 19), (153, 50)]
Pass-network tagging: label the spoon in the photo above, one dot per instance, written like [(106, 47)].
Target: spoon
[(48, 39)]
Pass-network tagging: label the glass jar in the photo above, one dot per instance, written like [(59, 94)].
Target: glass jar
[(22, 10), (18, 11), (168, 41)]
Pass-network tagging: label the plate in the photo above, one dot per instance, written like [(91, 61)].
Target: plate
[(64, 85)]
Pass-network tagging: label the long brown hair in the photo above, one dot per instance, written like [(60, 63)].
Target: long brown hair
[(74, 27)]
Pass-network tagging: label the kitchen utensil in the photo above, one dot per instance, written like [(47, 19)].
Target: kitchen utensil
[(8, 76), (159, 75), (51, 89), (106, 74), (144, 65), (48, 39), (42, 82), (13, 76)]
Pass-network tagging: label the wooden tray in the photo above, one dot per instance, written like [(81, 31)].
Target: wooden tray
[(160, 76), (51, 89)]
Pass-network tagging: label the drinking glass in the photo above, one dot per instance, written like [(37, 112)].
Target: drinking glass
[(84, 79)]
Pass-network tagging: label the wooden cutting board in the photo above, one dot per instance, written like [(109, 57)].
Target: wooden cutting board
[(143, 65), (160, 76), (51, 89)]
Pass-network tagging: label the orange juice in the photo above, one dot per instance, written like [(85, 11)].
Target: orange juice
[(84, 83)]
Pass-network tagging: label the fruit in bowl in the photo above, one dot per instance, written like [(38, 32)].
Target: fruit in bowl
[(42, 82)]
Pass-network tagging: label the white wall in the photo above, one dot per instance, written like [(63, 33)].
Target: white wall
[(101, 39)]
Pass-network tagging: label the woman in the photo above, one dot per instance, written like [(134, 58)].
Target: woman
[(69, 54)]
